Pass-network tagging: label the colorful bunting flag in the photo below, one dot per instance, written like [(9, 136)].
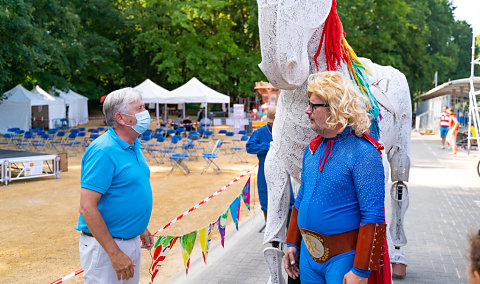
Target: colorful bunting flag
[(235, 210), (246, 194), (188, 241), (222, 224), (205, 236), (161, 249)]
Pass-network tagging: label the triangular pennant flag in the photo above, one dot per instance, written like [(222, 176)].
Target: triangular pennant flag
[(222, 224), (246, 194), (188, 241), (235, 210), (161, 249), (205, 235)]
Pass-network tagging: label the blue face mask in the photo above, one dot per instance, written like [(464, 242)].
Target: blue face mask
[(143, 121)]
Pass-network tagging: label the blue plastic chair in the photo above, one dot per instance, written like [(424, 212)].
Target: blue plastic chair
[(210, 157)]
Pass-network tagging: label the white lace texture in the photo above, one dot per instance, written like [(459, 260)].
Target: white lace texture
[(290, 32)]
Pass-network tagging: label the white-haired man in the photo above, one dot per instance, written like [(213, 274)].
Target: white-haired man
[(116, 196)]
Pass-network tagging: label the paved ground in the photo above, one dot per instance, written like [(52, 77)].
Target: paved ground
[(444, 208)]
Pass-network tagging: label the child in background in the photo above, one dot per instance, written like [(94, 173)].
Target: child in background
[(474, 269)]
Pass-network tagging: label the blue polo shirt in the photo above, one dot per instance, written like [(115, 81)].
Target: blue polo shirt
[(121, 174)]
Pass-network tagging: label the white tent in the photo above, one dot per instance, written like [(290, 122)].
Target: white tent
[(195, 91), (77, 106), (15, 109), (153, 93), (56, 105)]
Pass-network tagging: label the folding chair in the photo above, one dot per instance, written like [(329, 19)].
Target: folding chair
[(57, 140), (153, 149), (171, 148), (41, 144), (189, 147), (210, 157), (7, 140), (228, 134), (178, 162), (70, 142), (89, 140), (238, 151), (25, 142), (206, 139), (77, 144)]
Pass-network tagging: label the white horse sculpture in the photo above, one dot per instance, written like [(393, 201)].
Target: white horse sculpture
[(290, 33)]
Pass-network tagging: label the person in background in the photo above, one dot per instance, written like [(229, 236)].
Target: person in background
[(474, 258), (115, 195), (444, 125), (453, 131), (187, 123), (259, 144)]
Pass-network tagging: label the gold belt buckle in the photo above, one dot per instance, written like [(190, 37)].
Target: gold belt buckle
[(315, 245)]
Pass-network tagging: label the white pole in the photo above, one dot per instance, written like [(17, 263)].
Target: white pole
[(473, 108), (158, 113), (165, 113), (184, 110)]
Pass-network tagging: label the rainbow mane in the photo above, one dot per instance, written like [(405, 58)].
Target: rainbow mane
[(338, 50)]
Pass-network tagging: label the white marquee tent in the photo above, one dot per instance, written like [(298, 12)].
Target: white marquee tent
[(154, 94), (195, 91), (77, 106), (15, 109), (56, 105)]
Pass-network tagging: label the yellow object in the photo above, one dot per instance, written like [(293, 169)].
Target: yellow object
[(258, 123)]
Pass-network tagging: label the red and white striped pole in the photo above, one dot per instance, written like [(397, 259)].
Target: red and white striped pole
[(61, 280), (66, 277)]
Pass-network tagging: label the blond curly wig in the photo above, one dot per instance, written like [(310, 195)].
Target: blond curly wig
[(346, 105)]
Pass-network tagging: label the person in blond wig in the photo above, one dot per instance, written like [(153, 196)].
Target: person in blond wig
[(338, 217)]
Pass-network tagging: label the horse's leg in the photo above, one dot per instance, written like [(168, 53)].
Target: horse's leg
[(399, 159), (291, 135)]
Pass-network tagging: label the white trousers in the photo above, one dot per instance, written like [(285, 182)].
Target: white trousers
[(96, 263)]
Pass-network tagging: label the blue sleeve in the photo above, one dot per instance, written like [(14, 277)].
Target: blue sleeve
[(361, 272), (97, 171), (290, 245), (254, 145), (369, 181)]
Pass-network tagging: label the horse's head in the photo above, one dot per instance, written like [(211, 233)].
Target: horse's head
[(286, 27)]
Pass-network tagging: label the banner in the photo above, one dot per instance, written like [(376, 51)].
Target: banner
[(187, 241), (204, 237), (222, 224), (235, 211), (161, 249), (246, 194)]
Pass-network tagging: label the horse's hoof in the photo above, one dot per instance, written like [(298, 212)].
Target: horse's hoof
[(399, 270)]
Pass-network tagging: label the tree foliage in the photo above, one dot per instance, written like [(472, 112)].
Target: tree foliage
[(95, 46)]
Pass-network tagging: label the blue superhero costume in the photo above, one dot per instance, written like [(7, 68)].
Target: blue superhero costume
[(342, 187), (259, 144)]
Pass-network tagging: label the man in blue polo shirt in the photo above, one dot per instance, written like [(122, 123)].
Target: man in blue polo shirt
[(116, 196)]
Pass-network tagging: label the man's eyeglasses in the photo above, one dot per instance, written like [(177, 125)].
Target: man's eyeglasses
[(313, 106)]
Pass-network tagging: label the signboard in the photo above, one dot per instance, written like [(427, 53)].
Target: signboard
[(33, 168)]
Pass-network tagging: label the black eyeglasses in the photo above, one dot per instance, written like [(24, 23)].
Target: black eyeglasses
[(313, 106)]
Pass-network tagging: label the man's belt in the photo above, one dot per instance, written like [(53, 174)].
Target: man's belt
[(90, 235), (323, 247)]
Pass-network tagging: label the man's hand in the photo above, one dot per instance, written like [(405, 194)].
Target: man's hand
[(290, 262), (352, 278), (122, 265), (147, 240)]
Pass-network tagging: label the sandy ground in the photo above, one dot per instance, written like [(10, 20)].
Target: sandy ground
[(38, 242)]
